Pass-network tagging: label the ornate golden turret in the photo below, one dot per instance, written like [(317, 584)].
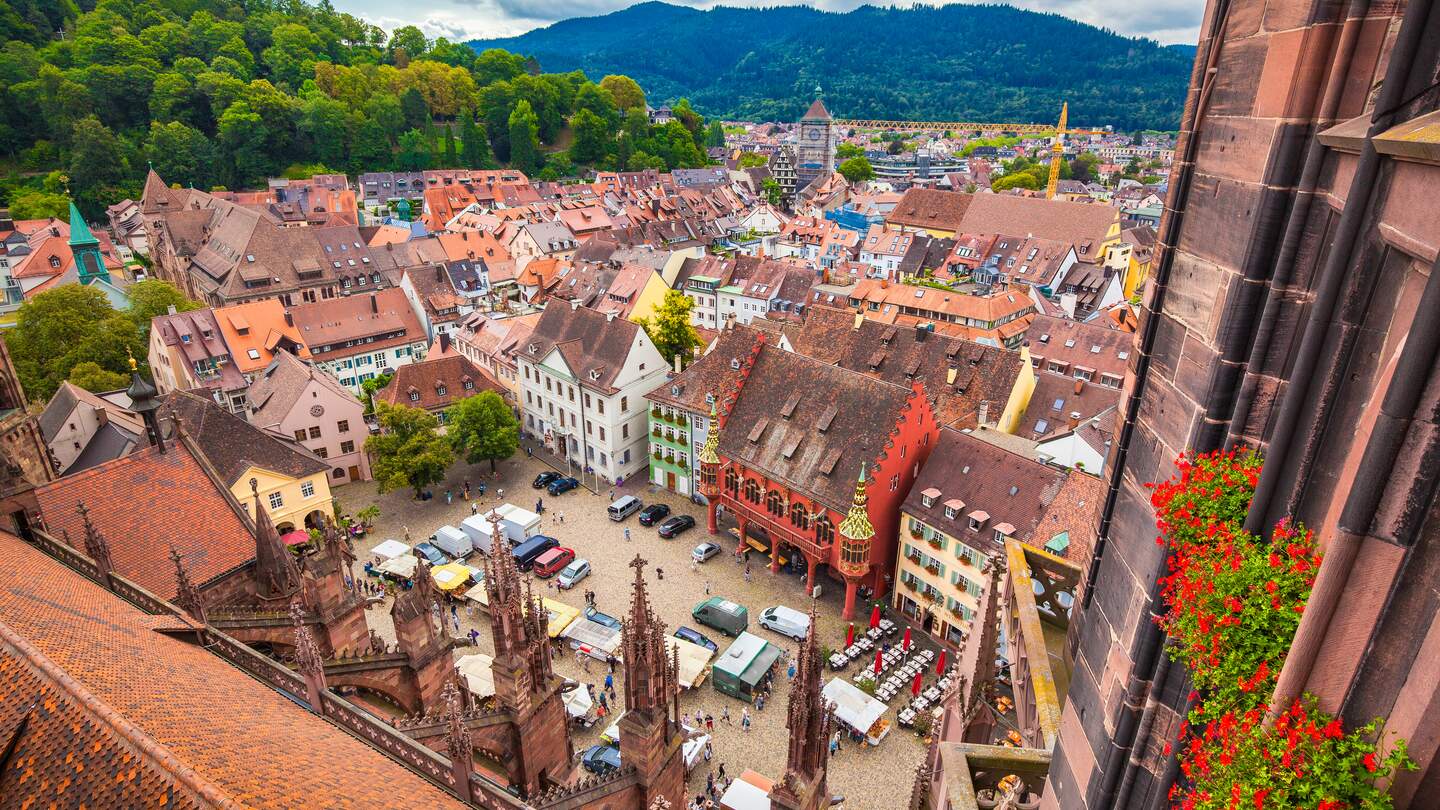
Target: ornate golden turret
[(856, 532)]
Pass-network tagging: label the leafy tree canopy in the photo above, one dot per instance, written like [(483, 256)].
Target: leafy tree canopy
[(669, 327), (483, 428), (857, 169), (59, 329), (409, 450), (95, 379)]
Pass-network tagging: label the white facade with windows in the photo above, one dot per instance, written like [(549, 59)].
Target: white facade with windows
[(364, 364)]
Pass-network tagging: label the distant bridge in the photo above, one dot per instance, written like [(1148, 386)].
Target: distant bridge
[(961, 126)]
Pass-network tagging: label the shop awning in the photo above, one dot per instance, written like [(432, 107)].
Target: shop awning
[(694, 660), (295, 538), (390, 549), (853, 707), (478, 676), (477, 594), (577, 701), (403, 567), (450, 577)]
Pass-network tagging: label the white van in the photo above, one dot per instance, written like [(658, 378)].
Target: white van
[(452, 541), (624, 507)]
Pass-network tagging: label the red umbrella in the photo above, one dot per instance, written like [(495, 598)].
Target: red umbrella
[(915, 687), (940, 665), (850, 635), (905, 645), (877, 662), (875, 617)]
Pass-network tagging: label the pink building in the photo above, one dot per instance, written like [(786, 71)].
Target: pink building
[(294, 398)]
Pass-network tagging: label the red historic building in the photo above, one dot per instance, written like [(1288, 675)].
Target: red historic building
[(813, 459)]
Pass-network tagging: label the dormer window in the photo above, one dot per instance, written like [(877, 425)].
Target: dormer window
[(441, 390), (414, 396), (949, 512)]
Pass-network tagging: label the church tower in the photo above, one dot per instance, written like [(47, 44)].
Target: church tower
[(650, 729), (802, 787), (89, 262), (815, 147)]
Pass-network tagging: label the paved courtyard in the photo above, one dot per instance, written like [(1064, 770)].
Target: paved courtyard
[(869, 778)]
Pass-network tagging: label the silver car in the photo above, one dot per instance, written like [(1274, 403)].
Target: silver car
[(704, 551), (786, 621), (573, 573)]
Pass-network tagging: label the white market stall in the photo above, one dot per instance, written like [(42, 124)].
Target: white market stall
[(478, 675), (515, 523), (592, 638), (750, 791), (402, 567), (857, 710), (390, 549), (693, 751), (694, 661), (578, 703)]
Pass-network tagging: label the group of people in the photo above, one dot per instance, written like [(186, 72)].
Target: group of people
[(716, 783)]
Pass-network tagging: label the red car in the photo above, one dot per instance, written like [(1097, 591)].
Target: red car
[(550, 563)]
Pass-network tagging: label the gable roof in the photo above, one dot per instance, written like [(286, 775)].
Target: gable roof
[(278, 387), (143, 504), (259, 327), (817, 111), (109, 709), (708, 375), (69, 396), (232, 445), (1083, 224), (931, 209), (857, 413), (594, 345), (428, 378)]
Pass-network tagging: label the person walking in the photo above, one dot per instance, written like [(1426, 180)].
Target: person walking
[(745, 720), (609, 682), (790, 671), (707, 587), (720, 771), (709, 722), (560, 517), (724, 718), (627, 534), (604, 703)]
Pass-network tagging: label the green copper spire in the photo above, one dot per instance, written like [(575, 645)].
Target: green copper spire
[(89, 263)]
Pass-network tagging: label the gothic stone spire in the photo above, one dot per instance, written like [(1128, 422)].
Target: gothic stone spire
[(507, 600), (96, 546), (648, 677), (809, 723), (308, 658), (457, 741), (276, 575)]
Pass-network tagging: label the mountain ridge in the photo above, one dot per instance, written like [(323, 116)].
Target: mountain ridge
[(960, 62)]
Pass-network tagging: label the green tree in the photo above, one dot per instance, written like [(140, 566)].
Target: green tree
[(410, 40), (626, 92), (669, 327), (243, 135), (450, 157), (847, 150), (39, 205), (90, 376), (97, 163), (773, 193), (857, 169), (1017, 180), (749, 160), (414, 152), (524, 130), (181, 154), (592, 136), (409, 450), (715, 135), (153, 297), (370, 386), (482, 428), (414, 108), (58, 329), (474, 149)]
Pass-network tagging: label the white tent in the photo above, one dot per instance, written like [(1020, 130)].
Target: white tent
[(694, 660), (577, 701), (477, 593), (390, 549), (853, 707), (743, 795), (694, 750), (478, 676), (403, 566)]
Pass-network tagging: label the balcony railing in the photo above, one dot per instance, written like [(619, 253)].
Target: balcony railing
[(779, 529)]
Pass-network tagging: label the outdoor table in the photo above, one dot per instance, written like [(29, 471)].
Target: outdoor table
[(906, 718), (873, 633), (838, 661), (920, 704), (928, 655), (932, 693), (852, 651), (943, 684), (865, 645)]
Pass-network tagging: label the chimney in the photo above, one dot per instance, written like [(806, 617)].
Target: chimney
[(1079, 386), (439, 272), (1074, 420), (574, 304), (677, 363), (170, 309), (374, 304), (444, 342), (983, 414), (920, 332), (289, 319), (610, 316)]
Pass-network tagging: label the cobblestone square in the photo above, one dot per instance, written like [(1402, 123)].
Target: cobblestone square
[(871, 778)]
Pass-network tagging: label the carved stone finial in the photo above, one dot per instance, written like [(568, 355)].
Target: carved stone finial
[(187, 596), (96, 546), (308, 657)]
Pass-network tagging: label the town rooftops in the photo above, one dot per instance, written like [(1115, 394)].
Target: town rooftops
[(691, 389), (1085, 225), (256, 332), (278, 386), (435, 384), (145, 503), (1061, 345), (327, 325), (108, 706), (810, 423), (931, 209), (232, 445), (593, 345)]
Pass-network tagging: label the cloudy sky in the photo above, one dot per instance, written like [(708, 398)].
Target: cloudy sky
[(1165, 20)]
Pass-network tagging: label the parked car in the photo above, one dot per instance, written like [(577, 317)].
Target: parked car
[(529, 551), (653, 514), (550, 563), (561, 486), (601, 759), (729, 617), (573, 573), (602, 618), (623, 507), (786, 621), (431, 554), (696, 637), (543, 479), (705, 551), (672, 527)]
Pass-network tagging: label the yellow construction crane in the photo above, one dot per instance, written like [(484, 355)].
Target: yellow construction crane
[(1057, 153)]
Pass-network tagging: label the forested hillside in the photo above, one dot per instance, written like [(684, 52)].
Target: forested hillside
[(222, 93), (967, 62)]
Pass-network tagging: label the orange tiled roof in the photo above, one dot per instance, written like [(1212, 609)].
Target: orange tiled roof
[(118, 713), (264, 326)]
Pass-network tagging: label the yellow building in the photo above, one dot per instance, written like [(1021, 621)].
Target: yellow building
[(291, 480), (1020, 394)]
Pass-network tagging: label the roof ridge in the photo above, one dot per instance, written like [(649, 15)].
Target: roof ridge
[(161, 756)]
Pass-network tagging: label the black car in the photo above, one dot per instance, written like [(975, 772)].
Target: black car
[(675, 525), (601, 759), (543, 479), (562, 485), (653, 513)]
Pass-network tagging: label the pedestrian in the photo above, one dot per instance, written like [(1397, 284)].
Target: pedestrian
[(609, 659), (604, 704), (627, 534), (474, 636), (710, 782), (609, 682), (659, 572), (539, 505), (745, 719), (612, 494), (474, 507), (699, 720), (448, 497), (760, 702), (707, 587), (790, 671), (724, 718), (709, 722), (747, 572), (560, 517), (834, 747), (709, 750), (721, 771)]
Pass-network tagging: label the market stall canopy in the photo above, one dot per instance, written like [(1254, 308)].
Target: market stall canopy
[(478, 675), (403, 567), (477, 592), (577, 701), (390, 549), (559, 616), (750, 792), (747, 660), (694, 749), (450, 577), (853, 707), (693, 660), (295, 538)]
